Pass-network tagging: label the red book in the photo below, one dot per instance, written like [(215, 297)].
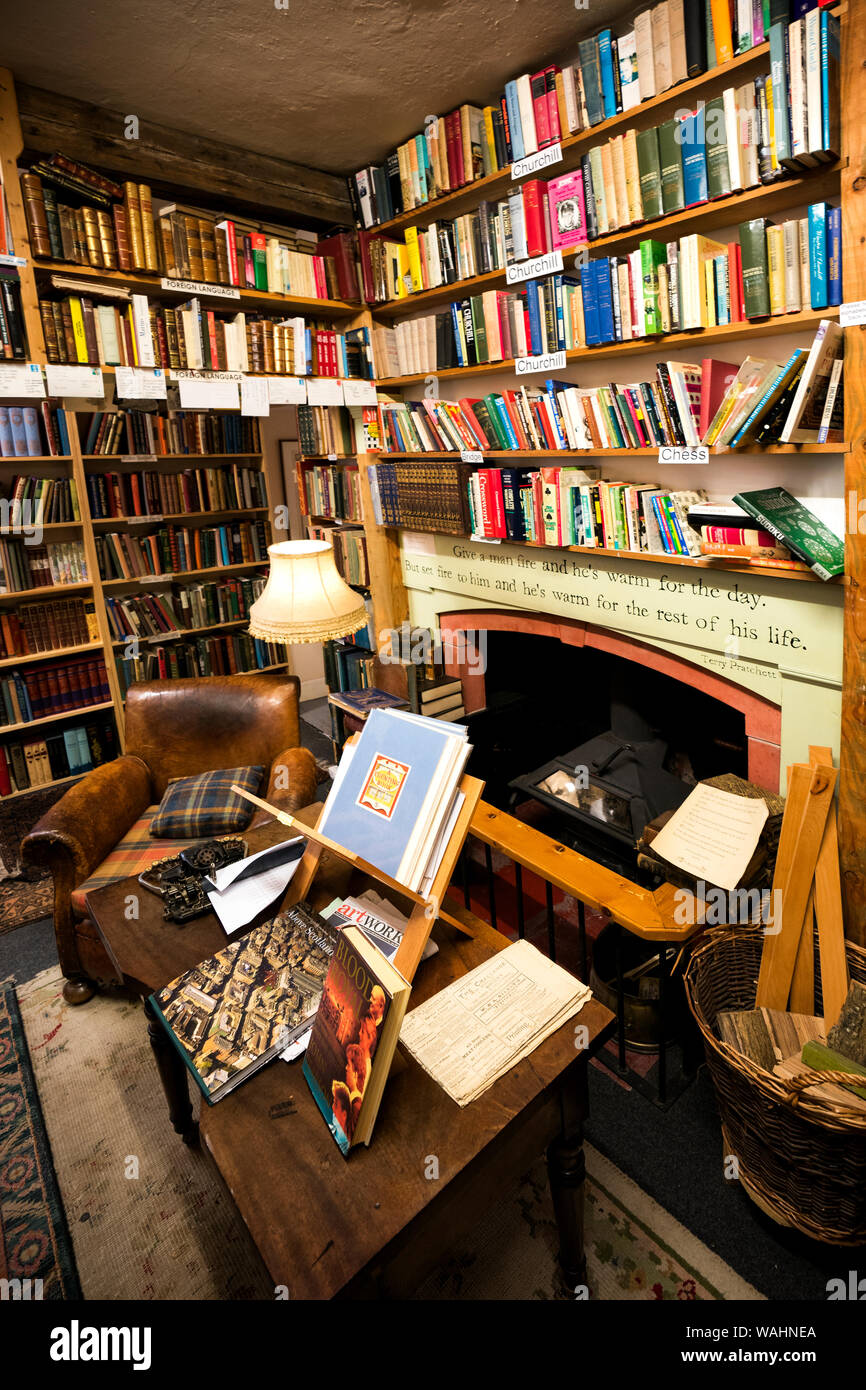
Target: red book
[(534, 218), (466, 405), (497, 502), (455, 149), (5, 780), (514, 416), (538, 88), (716, 377), (341, 247), (484, 522)]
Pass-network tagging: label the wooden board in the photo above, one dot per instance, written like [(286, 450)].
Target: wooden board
[(810, 797), (828, 912)]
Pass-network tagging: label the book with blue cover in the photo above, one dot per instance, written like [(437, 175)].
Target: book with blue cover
[(394, 790), (694, 147), (818, 255), (608, 83)]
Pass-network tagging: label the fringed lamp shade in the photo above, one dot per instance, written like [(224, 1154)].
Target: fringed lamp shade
[(305, 600)]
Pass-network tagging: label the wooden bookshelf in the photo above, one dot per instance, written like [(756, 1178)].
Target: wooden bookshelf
[(814, 185), (31, 657), (650, 112), (53, 718), (142, 282), (704, 338), (588, 455)]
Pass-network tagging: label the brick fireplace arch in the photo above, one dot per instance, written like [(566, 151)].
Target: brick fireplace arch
[(763, 718)]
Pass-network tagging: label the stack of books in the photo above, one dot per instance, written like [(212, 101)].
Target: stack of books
[(25, 566), (39, 762), (42, 500), (227, 655), (179, 432), (331, 491), (180, 549), (43, 627), (22, 435), (52, 688), (150, 493), (182, 607)]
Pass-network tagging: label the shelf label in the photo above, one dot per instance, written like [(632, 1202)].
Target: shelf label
[(142, 520), (162, 636), (138, 458), (74, 381), (542, 159), (471, 456), (147, 579), (487, 540), (286, 390), (547, 362), (332, 458), (852, 315), (198, 287), (358, 392), (13, 260), (24, 379), (678, 453), (217, 392), (255, 399), (325, 391), (140, 383), (547, 264)]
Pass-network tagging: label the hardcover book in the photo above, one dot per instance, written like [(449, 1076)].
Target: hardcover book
[(778, 512), (354, 1037), (233, 1013)]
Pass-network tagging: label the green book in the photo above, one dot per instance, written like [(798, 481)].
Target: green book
[(480, 328), (671, 161), (598, 189), (650, 171), (718, 169), (652, 255), (796, 527), (501, 439), (756, 270)]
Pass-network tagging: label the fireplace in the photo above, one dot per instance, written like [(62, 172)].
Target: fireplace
[(600, 731)]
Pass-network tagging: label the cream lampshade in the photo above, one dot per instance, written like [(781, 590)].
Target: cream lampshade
[(305, 600)]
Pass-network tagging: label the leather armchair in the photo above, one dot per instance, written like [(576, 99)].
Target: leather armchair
[(173, 729)]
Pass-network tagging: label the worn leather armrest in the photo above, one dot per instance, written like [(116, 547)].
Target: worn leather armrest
[(86, 823), (292, 782)]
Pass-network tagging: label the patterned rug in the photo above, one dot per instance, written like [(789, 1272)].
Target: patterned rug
[(26, 895), (149, 1219), (34, 1239)]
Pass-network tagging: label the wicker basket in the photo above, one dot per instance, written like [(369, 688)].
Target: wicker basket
[(801, 1158)]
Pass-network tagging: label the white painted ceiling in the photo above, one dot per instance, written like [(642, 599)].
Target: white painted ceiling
[(328, 85)]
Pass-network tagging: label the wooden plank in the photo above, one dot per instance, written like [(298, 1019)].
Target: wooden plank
[(803, 983), (828, 913), (11, 144), (810, 797), (852, 761), (172, 159)]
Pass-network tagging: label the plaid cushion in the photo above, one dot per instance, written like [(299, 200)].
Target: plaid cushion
[(132, 855), (206, 805)]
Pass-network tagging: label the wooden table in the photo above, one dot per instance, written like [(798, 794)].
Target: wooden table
[(377, 1223)]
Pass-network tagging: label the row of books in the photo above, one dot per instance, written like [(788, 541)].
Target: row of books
[(668, 43), (24, 566), (754, 404), (726, 145), (421, 497), (43, 627), (350, 550), (331, 491), (348, 665), (227, 655), (44, 500), (178, 432), (28, 432), (39, 762), (180, 549), (132, 231), (659, 288), (326, 429), (37, 691), (150, 493), (139, 333), (181, 608)]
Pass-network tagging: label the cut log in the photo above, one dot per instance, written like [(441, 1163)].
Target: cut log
[(848, 1035), (820, 1057)]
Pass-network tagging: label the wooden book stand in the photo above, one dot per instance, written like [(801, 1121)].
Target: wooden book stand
[(425, 910)]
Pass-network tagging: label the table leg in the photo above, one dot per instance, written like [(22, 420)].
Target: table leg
[(566, 1171), (172, 1074)]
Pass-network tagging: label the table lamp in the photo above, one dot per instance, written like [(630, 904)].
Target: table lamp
[(305, 599)]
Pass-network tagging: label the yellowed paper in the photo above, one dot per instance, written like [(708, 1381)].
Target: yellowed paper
[(713, 835)]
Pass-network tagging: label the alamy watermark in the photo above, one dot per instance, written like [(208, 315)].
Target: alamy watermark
[(419, 646), (739, 907), (22, 519)]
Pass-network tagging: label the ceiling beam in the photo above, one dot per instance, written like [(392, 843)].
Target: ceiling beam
[(177, 160)]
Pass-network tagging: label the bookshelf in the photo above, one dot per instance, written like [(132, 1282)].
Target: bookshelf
[(841, 181)]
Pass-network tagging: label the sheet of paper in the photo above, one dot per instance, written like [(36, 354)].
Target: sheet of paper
[(201, 393), (476, 1029), (240, 891), (22, 379), (254, 396), (286, 390), (297, 1048), (356, 392), (140, 383), (713, 835), (324, 391), (74, 381)]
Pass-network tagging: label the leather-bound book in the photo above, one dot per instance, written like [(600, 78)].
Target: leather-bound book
[(121, 237), (148, 232), (132, 208), (34, 210)]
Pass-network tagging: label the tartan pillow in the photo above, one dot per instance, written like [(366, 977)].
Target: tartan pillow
[(195, 807)]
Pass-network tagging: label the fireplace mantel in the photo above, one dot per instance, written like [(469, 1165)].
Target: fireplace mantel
[(770, 648)]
